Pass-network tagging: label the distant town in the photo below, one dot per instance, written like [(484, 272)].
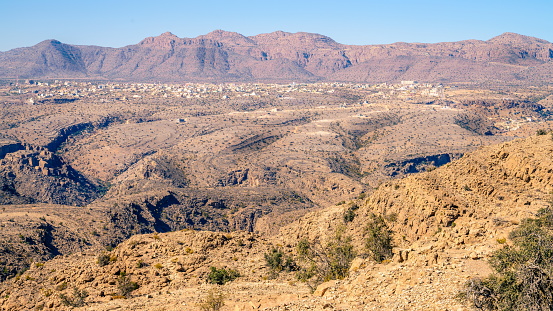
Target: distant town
[(39, 91)]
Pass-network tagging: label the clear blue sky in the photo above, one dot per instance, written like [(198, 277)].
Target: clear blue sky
[(118, 23)]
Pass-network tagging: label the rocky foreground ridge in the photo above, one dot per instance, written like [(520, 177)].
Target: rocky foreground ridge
[(445, 222), (222, 56)]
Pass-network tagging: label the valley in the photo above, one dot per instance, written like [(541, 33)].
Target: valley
[(170, 179)]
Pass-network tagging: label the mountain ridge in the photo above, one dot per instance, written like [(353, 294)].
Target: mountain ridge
[(224, 56)]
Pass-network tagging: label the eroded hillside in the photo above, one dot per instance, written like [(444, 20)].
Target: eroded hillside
[(445, 223), (130, 159)]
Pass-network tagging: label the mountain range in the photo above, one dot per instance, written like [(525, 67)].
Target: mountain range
[(222, 56)]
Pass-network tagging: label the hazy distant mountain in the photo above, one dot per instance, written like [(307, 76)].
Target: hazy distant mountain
[(222, 56)]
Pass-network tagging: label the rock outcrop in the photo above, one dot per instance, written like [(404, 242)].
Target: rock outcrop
[(38, 175)]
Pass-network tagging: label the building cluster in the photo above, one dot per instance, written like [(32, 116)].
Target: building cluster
[(36, 91)]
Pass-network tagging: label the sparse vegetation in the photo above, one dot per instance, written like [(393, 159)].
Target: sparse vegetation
[(264, 155), (328, 262), (349, 214), (213, 301), (5, 273), (523, 272), (277, 261), (77, 299), (140, 264), (378, 240), (125, 286), (103, 259), (221, 276), (475, 123), (62, 286), (47, 292)]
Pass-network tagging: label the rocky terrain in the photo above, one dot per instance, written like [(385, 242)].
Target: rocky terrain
[(126, 159), (445, 223), (37, 175), (124, 195), (222, 56)]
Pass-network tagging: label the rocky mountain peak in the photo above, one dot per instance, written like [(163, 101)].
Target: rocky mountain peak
[(299, 40), (165, 40), (270, 36), (50, 42), (516, 39), (219, 33), (168, 34), (229, 38)]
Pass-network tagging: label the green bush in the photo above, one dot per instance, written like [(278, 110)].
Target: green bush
[(349, 214), (277, 261), (378, 240), (221, 276), (141, 264), (341, 253), (523, 272), (125, 286)]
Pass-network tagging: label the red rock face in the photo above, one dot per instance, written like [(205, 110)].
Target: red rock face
[(222, 56)]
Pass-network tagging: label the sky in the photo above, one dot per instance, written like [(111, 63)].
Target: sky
[(116, 23)]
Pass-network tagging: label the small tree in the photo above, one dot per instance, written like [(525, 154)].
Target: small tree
[(523, 277), (125, 286), (378, 241), (103, 259), (277, 261), (221, 276), (324, 263)]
